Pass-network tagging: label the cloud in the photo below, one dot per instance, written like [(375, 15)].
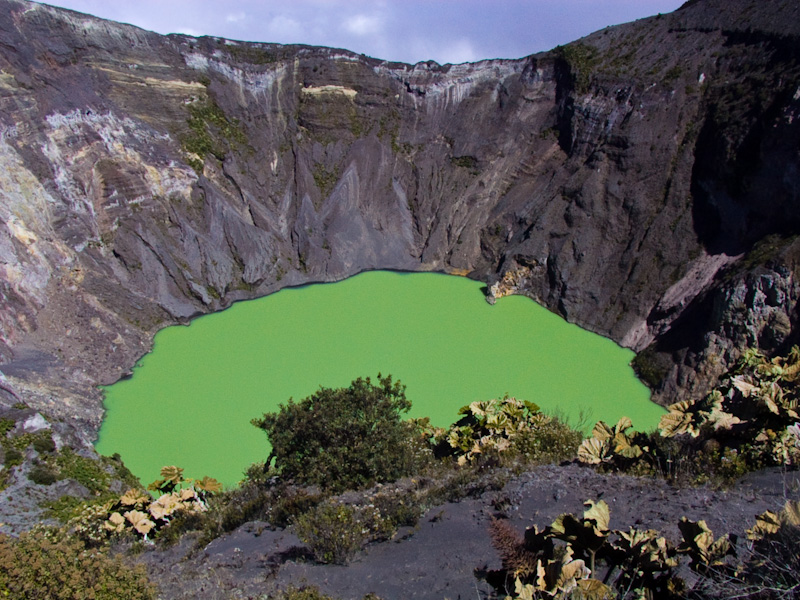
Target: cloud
[(363, 25), (445, 51), (459, 51), (235, 17), (286, 30)]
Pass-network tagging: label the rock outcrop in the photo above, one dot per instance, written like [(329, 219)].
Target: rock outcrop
[(644, 179)]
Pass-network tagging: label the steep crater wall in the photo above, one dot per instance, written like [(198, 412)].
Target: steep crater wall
[(147, 179)]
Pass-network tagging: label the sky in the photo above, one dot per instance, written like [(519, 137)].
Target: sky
[(409, 31)]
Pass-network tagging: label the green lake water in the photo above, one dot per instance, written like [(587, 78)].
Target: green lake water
[(190, 401)]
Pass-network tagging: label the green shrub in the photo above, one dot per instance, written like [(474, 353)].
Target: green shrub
[(121, 472), (210, 132), (398, 510), (291, 503), (551, 442), (346, 438), (304, 593), (333, 532), (582, 61), (38, 565), (229, 510), (651, 366), (181, 523), (86, 471), (65, 508), (42, 475), (309, 593), (6, 425), (13, 457), (44, 444)]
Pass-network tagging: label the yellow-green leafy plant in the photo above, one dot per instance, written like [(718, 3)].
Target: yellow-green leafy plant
[(587, 535), (139, 513), (610, 445), (488, 427), (771, 565), (590, 560), (583, 589), (773, 562), (751, 417), (542, 569), (643, 562), (704, 551), (643, 565), (786, 448), (690, 416), (172, 478), (769, 523), (538, 567)]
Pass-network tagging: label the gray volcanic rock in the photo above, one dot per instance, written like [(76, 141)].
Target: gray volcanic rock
[(645, 179)]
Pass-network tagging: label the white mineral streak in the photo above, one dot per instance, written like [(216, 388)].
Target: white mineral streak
[(25, 213), (345, 57), (26, 244), (74, 162), (446, 89), (35, 423), (259, 85), (196, 61)]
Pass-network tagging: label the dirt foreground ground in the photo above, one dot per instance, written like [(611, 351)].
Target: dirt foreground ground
[(438, 558)]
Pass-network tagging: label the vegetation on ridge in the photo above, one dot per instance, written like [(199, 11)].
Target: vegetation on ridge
[(750, 421), (210, 132), (49, 564)]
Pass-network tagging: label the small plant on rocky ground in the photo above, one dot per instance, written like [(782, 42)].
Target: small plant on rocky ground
[(582, 558), (48, 564), (307, 593), (770, 568), (752, 420), (137, 513), (333, 531), (757, 403), (506, 426), (611, 445)]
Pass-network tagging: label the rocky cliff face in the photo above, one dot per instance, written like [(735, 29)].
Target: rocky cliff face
[(642, 182)]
